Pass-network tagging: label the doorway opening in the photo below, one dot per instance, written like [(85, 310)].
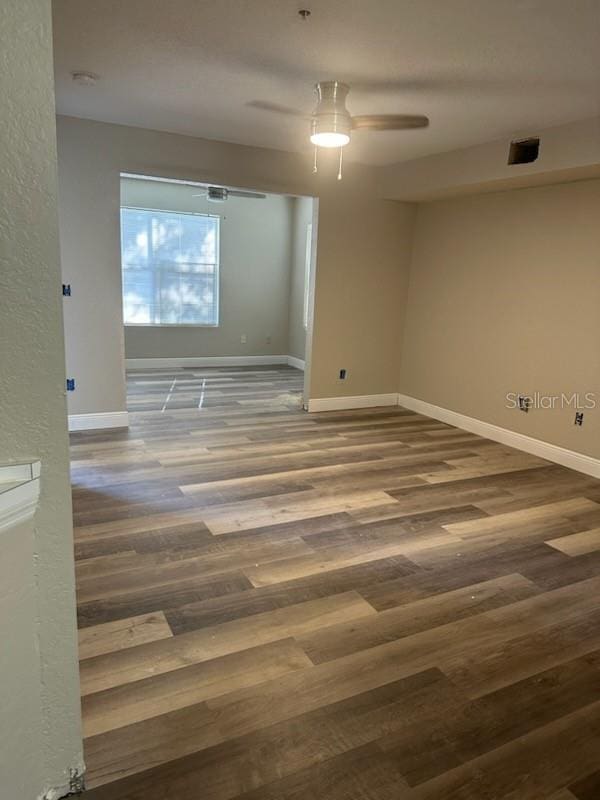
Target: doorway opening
[(218, 287)]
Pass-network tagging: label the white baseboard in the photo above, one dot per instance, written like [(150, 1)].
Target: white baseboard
[(537, 447), (204, 361), (295, 362), (358, 401), (90, 422)]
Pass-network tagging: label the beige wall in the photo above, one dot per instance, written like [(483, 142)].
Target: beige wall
[(40, 737), (495, 304), (302, 217), (362, 253), (567, 153), (505, 297), (255, 246), (21, 723)]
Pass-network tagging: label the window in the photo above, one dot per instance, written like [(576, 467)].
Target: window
[(170, 263), (307, 272)]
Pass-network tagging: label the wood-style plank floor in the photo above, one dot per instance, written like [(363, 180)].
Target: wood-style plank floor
[(358, 605)]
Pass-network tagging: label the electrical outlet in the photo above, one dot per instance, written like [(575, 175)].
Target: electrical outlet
[(70, 384), (66, 289), (579, 418), (243, 338), (524, 403), (343, 374)]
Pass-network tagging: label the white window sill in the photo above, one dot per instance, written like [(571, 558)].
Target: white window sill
[(19, 492), (168, 325)]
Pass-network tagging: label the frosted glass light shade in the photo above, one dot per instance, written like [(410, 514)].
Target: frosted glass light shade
[(330, 139), (331, 123)]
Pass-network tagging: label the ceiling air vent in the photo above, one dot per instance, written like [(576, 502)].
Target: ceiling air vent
[(524, 151)]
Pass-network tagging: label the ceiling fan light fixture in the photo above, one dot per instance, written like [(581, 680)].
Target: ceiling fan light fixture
[(330, 139), (331, 122)]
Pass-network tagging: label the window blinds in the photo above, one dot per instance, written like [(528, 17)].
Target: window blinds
[(170, 263)]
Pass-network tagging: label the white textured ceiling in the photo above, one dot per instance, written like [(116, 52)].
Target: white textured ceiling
[(480, 69)]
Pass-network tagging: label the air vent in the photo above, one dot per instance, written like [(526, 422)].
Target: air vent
[(217, 194), (524, 151)]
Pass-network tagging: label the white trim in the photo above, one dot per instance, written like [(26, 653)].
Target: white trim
[(203, 361), (537, 447), (295, 362), (171, 324), (358, 401), (18, 473), (90, 422), (307, 265), (19, 502)]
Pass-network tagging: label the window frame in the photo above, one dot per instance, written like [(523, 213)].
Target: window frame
[(216, 217)]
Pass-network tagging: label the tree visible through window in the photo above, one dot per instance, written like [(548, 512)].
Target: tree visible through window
[(170, 263)]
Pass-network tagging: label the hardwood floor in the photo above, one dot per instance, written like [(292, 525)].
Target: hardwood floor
[(358, 605)]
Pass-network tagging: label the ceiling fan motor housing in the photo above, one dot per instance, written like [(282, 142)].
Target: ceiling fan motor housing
[(331, 116)]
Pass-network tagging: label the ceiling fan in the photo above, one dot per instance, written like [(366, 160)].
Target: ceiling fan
[(331, 123), (218, 194)]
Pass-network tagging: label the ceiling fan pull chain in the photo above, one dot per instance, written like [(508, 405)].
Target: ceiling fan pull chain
[(339, 175), (315, 160)]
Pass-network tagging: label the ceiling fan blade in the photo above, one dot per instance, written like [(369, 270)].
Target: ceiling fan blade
[(251, 195), (389, 122), (263, 105)]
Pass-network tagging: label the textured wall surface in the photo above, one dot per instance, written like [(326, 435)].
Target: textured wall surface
[(21, 722), (254, 276), (505, 297), (363, 251), (39, 678)]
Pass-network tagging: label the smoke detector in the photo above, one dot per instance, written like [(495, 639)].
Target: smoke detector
[(85, 78)]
